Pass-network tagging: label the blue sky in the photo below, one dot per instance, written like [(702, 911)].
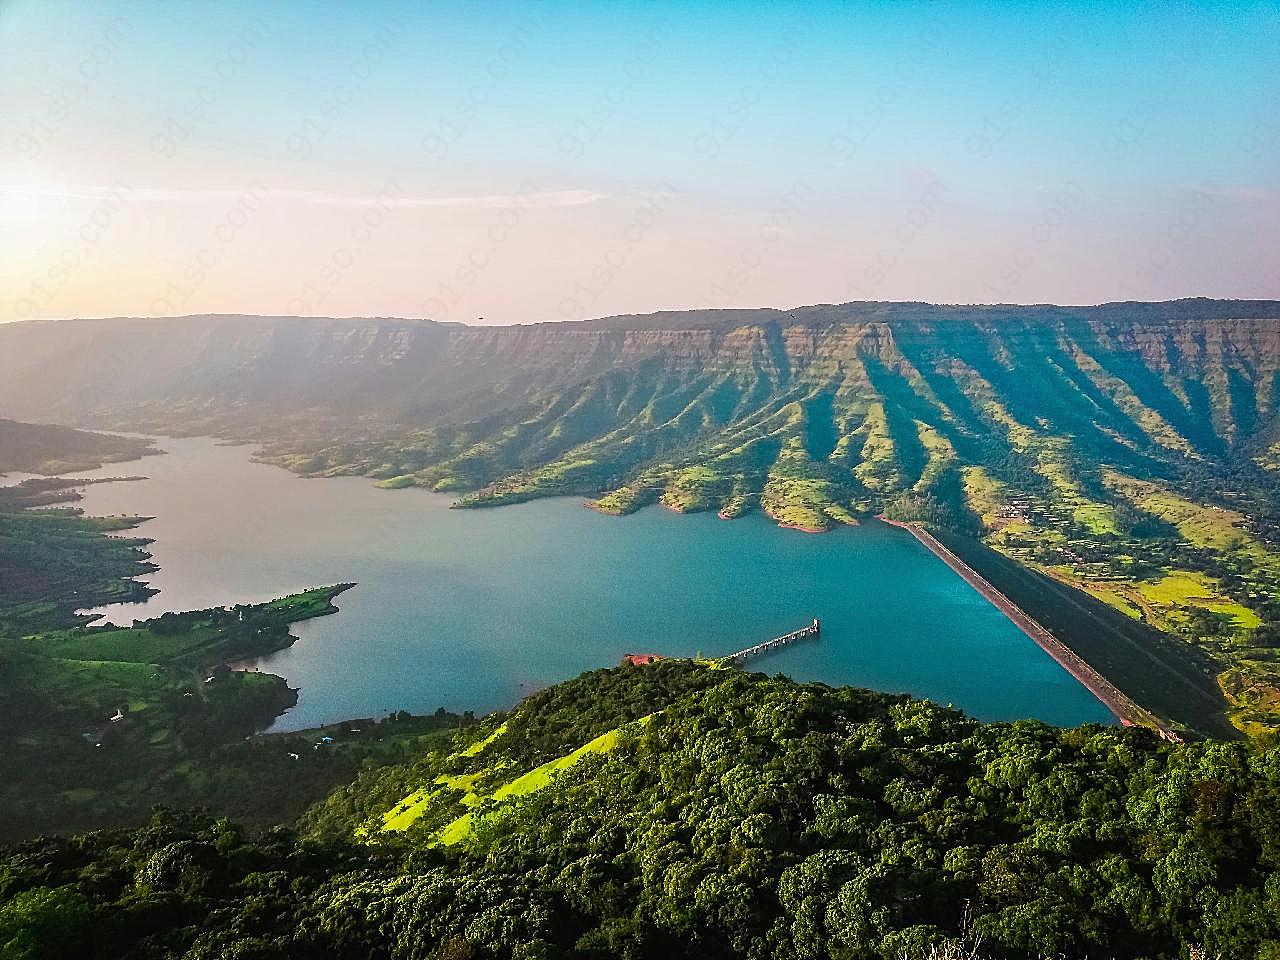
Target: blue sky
[(524, 162)]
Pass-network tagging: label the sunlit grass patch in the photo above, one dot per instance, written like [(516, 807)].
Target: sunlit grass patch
[(1097, 518), (480, 745), (536, 779), (940, 451), (1216, 528), (877, 466), (1182, 589), (695, 488)]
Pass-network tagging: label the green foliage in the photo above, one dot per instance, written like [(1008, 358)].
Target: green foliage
[(751, 817), (102, 722), (1127, 450), (1106, 447), (44, 924), (1066, 439), (195, 637), (53, 561)]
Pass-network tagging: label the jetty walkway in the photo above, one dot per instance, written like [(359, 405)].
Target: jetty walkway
[(812, 630)]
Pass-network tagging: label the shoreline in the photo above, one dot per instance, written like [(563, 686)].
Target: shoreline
[(1123, 707), (783, 525), (1120, 705), (790, 525)]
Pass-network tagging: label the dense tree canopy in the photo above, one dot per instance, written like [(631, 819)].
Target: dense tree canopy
[(751, 817)]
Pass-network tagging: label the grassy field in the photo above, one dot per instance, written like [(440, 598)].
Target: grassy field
[(139, 644), (695, 488), (1179, 589), (1193, 571), (458, 789), (99, 718), (51, 450), (877, 466), (53, 561), (1202, 525), (191, 638)]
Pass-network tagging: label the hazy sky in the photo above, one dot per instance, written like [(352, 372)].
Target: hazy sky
[(552, 161)]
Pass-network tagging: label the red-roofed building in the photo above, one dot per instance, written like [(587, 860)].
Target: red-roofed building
[(640, 659)]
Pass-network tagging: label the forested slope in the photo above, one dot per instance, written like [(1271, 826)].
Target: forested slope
[(750, 817)]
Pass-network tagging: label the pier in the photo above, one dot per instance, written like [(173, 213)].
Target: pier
[(812, 630)]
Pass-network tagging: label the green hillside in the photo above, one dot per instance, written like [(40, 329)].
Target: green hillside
[(747, 817), (102, 722)]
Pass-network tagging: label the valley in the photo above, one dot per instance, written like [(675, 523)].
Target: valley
[(1125, 451), (474, 610), (640, 481), (1119, 506), (141, 670)]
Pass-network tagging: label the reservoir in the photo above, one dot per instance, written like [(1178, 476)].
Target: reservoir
[(473, 609)]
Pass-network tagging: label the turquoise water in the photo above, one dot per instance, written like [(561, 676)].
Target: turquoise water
[(472, 609)]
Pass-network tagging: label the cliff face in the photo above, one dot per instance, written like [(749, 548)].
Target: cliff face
[(1198, 376), (812, 412), (1130, 450), (419, 372)]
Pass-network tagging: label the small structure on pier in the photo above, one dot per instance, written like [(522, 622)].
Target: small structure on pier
[(812, 630)]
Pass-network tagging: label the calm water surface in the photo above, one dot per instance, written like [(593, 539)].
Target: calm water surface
[(471, 609)]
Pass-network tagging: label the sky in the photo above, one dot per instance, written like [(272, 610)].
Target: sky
[(515, 163)]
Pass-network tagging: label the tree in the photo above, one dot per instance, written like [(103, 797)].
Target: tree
[(44, 923)]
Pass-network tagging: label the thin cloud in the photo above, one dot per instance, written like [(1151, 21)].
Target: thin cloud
[(553, 198), (387, 198)]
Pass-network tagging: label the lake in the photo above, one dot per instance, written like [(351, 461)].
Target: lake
[(473, 609)]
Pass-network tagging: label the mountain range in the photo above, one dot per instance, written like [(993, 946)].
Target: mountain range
[(1127, 451)]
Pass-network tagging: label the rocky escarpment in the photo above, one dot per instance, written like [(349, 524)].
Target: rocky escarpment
[(832, 405), (1130, 451)]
